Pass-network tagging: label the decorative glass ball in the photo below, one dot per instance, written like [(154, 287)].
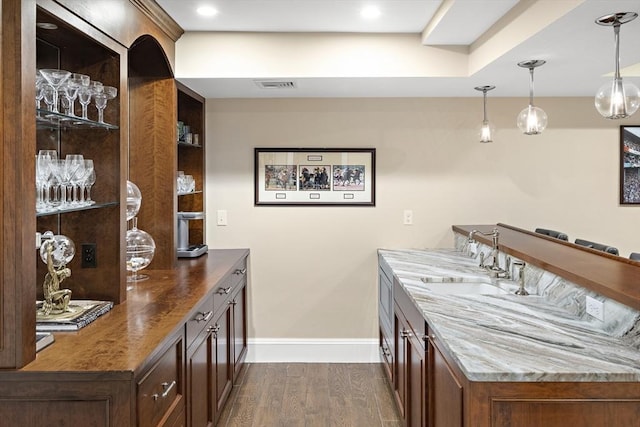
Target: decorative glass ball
[(617, 100), (140, 248), (532, 120), (63, 250), (134, 199)]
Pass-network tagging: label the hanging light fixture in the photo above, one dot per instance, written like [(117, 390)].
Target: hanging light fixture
[(532, 120), (486, 128), (617, 100)]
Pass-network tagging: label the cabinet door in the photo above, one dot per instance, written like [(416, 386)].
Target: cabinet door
[(200, 372), (222, 363), (238, 303), (446, 391), (417, 378), (400, 371)]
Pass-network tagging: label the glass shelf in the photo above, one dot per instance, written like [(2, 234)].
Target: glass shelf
[(46, 119), (186, 144), (190, 192), (77, 209)]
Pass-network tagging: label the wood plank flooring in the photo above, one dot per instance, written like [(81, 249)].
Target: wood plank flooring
[(311, 395)]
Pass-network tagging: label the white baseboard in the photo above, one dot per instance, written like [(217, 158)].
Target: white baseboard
[(263, 350)]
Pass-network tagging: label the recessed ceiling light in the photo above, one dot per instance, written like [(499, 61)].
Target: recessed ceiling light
[(370, 12), (207, 11)]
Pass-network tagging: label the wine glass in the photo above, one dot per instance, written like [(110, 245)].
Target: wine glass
[(55, 78), (86, 93), (81, 80), (48, 94), (75, 164), (44, 160), (140, 250), (69, 93), (89, 180), (109, 92)]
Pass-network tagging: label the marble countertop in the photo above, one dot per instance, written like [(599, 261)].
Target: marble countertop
[(508, 337)]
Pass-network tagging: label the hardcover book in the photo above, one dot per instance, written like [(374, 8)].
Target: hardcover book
[(80, 314)]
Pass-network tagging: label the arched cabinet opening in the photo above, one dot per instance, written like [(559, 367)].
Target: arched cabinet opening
[(152, 144)]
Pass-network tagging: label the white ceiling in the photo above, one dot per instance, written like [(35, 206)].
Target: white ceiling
[(578, 52)]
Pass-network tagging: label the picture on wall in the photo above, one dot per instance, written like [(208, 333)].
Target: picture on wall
[(630, 165), (318, 176)]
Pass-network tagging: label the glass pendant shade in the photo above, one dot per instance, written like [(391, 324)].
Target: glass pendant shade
[(617, 100), (532, 120), (486, 129)]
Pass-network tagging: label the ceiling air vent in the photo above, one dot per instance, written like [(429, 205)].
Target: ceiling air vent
[(275, 84)]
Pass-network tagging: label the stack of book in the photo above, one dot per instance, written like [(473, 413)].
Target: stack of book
[(80, 314)]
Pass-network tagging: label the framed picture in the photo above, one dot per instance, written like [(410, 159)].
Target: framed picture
[(316, 176), (630, 165)]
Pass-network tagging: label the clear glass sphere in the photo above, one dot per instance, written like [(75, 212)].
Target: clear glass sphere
[(617, 100), (140, 250), (134, 199), (63, 250), (532, 120), (486, 131)]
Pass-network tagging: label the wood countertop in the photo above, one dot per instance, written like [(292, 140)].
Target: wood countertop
[(613, 276), (122, 341)]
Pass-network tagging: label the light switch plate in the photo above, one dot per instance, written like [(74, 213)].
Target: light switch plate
[(407, 217), (221, 218), (595, 308)]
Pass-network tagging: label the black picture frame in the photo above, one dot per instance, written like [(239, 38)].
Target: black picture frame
[(314, 176), (629, 165)]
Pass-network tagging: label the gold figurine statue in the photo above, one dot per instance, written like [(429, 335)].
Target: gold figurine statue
[(55, 299)]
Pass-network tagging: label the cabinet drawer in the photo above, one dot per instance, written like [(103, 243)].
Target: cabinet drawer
[(197, 322), (160, 389), (222, 293)]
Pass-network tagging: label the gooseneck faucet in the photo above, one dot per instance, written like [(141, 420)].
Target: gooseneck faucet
[(494, 269)]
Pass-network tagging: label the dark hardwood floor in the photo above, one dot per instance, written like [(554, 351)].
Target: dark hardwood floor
[(311, 395)]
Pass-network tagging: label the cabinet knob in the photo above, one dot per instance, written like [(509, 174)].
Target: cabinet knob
[(240, 272)]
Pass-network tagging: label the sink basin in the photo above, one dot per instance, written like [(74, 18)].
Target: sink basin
[(464, 288)]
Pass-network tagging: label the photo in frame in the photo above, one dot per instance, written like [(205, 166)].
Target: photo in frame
[(315, 176), (630, 165)]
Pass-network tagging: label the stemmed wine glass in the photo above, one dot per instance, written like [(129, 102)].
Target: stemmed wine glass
[(85, 94), (55, 78), (48, 94), (76, 170), (81, 80), (44, 161), (89, 181), (109, 92)]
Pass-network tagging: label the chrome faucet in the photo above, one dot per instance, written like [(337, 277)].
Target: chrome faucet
[(493, 269), (521, 290)]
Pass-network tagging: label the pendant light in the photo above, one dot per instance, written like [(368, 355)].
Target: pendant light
[(486, 128), (617, 100), (532, 120)]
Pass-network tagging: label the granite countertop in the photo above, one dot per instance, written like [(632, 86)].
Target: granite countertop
[(508, 337)]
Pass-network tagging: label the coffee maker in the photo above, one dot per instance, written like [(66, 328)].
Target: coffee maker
[(184, 249)]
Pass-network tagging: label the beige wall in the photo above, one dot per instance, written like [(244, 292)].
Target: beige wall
[(313, 269)]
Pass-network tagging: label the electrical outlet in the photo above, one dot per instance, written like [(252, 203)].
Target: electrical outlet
[(89, 255), (408, 217), (595, 308)]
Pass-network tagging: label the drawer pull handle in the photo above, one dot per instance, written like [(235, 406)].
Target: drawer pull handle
[(167, 389), (224, 291), (405, 334), (233, 302), (240, 272), (203, 317)]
